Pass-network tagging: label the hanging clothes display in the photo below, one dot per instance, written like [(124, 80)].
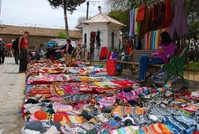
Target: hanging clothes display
[(147, 27), (131, 30), (98, 39), (169, 14), (161, 15), (151, 39), (141, 13), (154, 16), (103, 53), (180, 26), (92, 41), (151, 21), (133, 24)]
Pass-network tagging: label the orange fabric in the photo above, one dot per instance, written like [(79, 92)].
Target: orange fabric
[(156, 129), (130, 50), (165, 129), (40, 115), (59, 117), (141, 13)]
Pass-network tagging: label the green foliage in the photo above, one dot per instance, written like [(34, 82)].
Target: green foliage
[(120, 15), (61, 35), (69, 4), (191, 66), (121, 4), (192, 7)]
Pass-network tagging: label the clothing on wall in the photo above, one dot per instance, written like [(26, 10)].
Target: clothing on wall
[(145, 19), (180, 26), (161, 15), (141, 13), (169, 14), (131, 27), (154, 18), (103, 53)]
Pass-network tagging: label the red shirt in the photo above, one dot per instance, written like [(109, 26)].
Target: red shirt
[(24, 44)]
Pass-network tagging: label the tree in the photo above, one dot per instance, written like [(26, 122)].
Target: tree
[(62, 35), (192, 7), (67, 5), (120, 15), (81, 19)]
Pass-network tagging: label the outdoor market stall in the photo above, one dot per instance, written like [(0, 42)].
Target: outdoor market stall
[(86, 101)]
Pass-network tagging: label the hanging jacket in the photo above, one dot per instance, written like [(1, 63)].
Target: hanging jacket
[(169, 14), (141, 13), (180, 26), (103, 53), (154, 16), (161, 15)]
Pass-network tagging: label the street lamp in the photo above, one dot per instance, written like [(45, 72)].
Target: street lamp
[(87, 3), (87, 9), (100, 9)]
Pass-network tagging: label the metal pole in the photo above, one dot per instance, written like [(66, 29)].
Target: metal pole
[(87, 10)]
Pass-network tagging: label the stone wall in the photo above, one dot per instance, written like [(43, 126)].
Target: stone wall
[(37, 35)]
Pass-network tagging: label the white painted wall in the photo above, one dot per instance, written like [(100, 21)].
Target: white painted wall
[(113, 27), (105, 36)]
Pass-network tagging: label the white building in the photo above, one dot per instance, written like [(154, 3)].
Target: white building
[(109, 33)]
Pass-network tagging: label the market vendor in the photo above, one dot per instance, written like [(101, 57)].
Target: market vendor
[(67, 51)]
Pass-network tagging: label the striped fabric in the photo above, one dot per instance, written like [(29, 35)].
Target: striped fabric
[(126, 130), (152, 39)]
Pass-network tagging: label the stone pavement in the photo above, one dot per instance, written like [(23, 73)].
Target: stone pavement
[(12, 86)]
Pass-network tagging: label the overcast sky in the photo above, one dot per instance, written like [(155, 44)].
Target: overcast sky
[(40, 14)]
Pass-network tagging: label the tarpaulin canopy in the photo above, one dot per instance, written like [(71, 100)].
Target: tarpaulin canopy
[(9, 45)]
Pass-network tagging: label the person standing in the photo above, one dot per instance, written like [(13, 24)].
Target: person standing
[(22, 46), (79, 52), (2, 48), (41, 52), (67, 50)]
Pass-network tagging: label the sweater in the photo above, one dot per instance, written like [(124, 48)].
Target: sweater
[(168, 50)]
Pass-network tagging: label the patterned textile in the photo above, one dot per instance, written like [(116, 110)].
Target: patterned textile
[(181, 124)]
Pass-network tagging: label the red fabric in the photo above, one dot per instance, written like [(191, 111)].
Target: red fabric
[(59, 117), (109, 55), (103, 53), (141, 13), (169, 14), (88, 56), (154, 16), (24, 44), (161, 15), (111, 67)]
